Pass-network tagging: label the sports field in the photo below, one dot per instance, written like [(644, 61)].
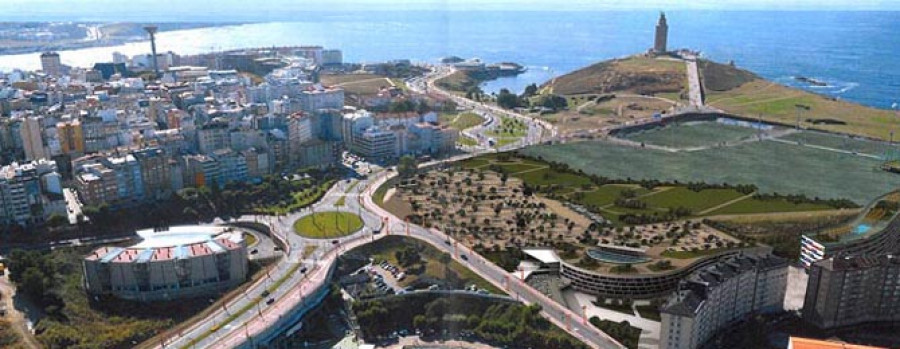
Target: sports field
[(772, 166), (856, 144), (692, 134)]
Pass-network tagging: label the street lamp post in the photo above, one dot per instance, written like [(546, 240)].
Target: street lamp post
[(799, 108)]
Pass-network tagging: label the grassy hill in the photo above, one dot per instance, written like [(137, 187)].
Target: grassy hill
[(722, 77), (741, 92), (636, 74)]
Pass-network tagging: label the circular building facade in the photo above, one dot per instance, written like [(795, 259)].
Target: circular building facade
[(184, 261)]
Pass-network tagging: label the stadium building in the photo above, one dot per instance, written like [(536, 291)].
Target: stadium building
[(185, 261)]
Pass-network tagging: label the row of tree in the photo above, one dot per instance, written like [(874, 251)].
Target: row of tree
[(496, 322)]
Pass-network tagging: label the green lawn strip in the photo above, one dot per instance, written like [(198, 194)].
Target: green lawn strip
[(615, 307), (750, 206), (509, 127), (622, 332), (692, 254), (608, 194), (473, 278), (340, 201), (299, 200), (466, 120), (250, 239), (514, 168), (548, 177), (503, 141), (329, 224), (696, 201), (474, 163), (650, 312), (466, 141)]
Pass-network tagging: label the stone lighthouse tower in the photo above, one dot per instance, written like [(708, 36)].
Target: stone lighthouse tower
[(662, 32)]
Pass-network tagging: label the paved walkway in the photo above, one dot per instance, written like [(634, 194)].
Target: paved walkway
[(695, 94)]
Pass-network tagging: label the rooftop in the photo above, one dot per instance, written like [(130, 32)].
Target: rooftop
[(807, 343), (175, 243)]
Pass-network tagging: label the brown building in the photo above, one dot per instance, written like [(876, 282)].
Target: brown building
[(852, 290), (155, 172), (97, 185), (71, 137)]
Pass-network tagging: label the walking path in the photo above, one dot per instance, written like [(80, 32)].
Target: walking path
[(712, 209), (695, 94)]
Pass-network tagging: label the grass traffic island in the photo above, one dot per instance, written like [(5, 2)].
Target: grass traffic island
[(250, 239), (327, 225)]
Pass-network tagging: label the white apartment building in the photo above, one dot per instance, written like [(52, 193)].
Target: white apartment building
[(712, 298)]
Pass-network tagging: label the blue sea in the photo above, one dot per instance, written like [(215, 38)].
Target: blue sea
[(854, 52)]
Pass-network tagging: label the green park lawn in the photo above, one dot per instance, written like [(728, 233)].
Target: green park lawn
[(250, 239), (608, 194), (509, 127), (696, 201), (752, 205), (327, 225)]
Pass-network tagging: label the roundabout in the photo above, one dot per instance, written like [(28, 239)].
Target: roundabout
[(328, 225)]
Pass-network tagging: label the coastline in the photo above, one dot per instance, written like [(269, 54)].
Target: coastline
[(107, 41)]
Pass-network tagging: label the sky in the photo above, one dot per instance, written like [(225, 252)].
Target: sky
[(21, 8)]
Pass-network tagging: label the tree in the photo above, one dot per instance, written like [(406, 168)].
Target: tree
[(530, 90), (420, 321), (34, 284), (445, 259), (507, 100), (553, 101), (407, 166), (57, 220)]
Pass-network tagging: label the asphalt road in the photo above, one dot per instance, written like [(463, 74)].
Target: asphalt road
[(573, 323)]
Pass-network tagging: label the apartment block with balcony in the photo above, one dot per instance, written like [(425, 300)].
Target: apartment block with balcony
[(717, 296)]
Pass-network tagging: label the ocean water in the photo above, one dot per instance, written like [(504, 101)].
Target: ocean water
[(854, 52)]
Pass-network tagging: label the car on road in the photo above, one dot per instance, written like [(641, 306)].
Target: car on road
[(334, 242), (447, 242), (303, 270), (254, 251), (265, 294), (464, 257), (270, 301)]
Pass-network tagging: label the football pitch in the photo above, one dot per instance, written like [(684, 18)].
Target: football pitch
[(692, 134), (772, 166)]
